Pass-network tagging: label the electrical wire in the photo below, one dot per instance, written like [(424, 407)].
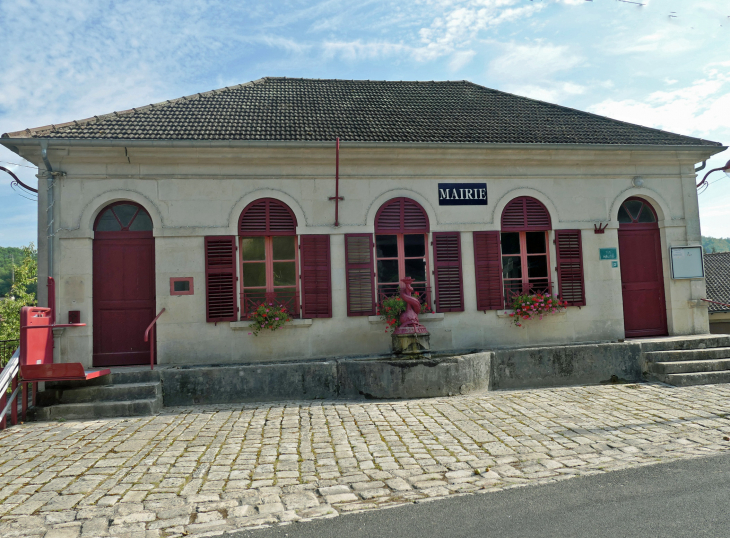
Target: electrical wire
[(23, 165)]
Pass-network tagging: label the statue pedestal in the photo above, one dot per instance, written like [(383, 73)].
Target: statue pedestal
[(411, 341)]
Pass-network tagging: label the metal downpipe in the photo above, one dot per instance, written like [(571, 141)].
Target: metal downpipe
[(50, 209)]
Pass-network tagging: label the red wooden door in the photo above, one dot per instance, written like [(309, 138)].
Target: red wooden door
[(124, 287), (642, 275)]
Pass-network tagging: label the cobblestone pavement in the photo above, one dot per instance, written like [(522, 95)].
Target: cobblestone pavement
[(205, 470)]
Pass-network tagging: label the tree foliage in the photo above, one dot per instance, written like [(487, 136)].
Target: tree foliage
[(21, 293), (8, 257), (715, 244)]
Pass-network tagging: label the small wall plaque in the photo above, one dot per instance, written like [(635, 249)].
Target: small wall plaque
[(608, 254), (181, 285), (462, 194), (687, 262)]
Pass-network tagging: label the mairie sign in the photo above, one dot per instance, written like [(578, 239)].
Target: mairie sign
[(462, 194)]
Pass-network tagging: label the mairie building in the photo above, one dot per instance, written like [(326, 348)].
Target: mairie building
[(209, 205)]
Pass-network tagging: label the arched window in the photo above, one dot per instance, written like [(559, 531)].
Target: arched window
[(525, 253), (124, 217), (401, 248), (269, 255), (637, 211)]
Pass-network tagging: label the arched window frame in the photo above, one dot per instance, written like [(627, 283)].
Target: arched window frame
[(635, 220), (400, 224), (124, 231), (268, 235), (524, 221)]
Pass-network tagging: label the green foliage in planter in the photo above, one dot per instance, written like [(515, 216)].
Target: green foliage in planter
[(269, 316), (533, 306)]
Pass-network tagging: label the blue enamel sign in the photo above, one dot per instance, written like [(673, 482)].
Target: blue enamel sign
[(608, 254), (462, 194)]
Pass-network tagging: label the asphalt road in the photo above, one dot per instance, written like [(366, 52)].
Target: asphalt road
[(688, 498)]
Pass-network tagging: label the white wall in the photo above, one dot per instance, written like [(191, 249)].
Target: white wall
[(191, 193)]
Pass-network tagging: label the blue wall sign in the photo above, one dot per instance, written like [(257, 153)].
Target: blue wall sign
[(462, 194), (608, 254)]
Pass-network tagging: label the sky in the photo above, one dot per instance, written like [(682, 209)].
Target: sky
[(659, 63)]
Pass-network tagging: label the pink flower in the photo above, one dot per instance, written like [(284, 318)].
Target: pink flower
[(250, 333), (277, 319)]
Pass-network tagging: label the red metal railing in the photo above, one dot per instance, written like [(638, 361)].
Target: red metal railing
[(420, 290), (152, 340), (715, 302), (514, 289), (251, 299)]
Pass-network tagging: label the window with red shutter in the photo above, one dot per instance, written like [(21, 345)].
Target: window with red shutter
[(401, 228), (315, 277), (360, 276), (569, 253), (488, 271), (447, 272), (220, 278), (267, 216), (525, 213)]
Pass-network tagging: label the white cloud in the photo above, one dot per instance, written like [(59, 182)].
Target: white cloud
[(698, 109), (460, 59)]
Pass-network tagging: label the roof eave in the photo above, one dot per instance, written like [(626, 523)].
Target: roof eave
[(14, 143)]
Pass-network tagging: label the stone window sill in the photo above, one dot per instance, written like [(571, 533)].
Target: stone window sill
[(293, 324), (438, 316), (506, 313)]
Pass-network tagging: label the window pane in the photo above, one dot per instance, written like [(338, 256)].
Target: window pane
[(511, 267), (537, 267), (623, 216), (414, 246), (181, 285), (646, 215), (108, 223), (633, 207), (254, 274), (285, 274), (125, 212), (535, 242), (252, 248), (511, 243), (141, 223), (387, 270), (416, 269), (284, 247), (386, 246)]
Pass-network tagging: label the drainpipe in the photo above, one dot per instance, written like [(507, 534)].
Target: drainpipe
[(49, 211)]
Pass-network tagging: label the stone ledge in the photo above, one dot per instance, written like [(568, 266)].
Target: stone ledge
[(293, 324), (506, 313), (437, 316)]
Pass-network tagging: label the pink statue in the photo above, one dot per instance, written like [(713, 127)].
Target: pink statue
[(409, 319)]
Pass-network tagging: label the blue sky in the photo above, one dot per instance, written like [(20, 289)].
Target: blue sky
[(664, 64)]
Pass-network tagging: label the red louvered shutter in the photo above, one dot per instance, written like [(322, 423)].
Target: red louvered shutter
[(401, 215), (569, 254), (220, 278), (525, 214), (267, 216), (316, 280), (360, 274), (488, 271), (447, 272)]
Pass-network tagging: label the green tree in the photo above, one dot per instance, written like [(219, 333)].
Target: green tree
[(22, 293)]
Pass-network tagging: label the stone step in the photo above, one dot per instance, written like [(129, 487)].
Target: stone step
[(118, 376), (686, 367), (100, 393), (695, 378), (713, 353), (703, 341), (94, 410)]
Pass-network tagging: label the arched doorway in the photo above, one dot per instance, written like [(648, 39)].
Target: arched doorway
[(124, 284), (642, 274)]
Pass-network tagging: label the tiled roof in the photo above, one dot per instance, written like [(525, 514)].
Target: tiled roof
[(286, 109), (717, 275)]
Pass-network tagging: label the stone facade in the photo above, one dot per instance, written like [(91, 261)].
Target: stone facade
[(192, 190)]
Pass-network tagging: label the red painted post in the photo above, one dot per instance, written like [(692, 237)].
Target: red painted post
[(14, 405), (35, 392), (24, 411)]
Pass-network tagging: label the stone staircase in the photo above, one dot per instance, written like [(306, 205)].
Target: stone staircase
[(689, 360), (130, 391)]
